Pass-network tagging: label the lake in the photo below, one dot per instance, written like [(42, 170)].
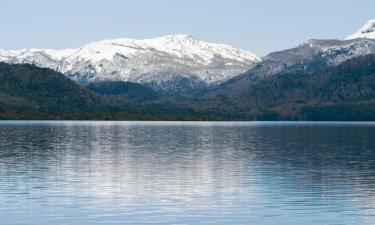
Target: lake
[(80, 173)]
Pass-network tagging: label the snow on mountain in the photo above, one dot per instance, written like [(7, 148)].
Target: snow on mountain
[(335, 52), (309, 57), (367, 31), (143, 61)]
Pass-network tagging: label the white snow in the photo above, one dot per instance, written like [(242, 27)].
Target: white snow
[(367, 31), (178, 45), (142, 60)]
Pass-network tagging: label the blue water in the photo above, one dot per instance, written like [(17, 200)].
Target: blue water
[(108, 173)]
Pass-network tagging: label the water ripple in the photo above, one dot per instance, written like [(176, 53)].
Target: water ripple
[(186, 173)]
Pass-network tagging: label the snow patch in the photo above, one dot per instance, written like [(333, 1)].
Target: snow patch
[(367, 31)]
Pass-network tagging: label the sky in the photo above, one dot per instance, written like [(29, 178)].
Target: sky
[(261, 26)]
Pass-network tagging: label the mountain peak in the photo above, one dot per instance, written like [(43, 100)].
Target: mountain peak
[(157, 60), (183, 36), (367, 31)]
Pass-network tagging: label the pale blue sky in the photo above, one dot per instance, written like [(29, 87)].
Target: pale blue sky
[(257, 25)]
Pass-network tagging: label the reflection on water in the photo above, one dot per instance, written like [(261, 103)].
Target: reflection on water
[(186, 173)]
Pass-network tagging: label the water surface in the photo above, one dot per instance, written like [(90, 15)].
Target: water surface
[(81, 173)]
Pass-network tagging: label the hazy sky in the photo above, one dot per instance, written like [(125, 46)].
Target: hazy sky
[(257, 25)]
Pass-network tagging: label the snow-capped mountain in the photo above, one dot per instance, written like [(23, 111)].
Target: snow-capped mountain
[(311, 56), (158, 61), (367, 31)]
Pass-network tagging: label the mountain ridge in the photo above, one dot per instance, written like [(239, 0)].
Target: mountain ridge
[(157, 60), (309, 57), (367, 31)]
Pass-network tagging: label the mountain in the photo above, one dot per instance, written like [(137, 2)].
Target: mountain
[(284, 83), (125, 91), (367, 31), (309, 57), (30, 92), (180, 77), (27, 87), (169, 63), (343, 92)]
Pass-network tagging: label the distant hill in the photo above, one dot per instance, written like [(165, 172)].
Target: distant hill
[(27, 87), (30, 92), (343, 92), (125, 91), (310, 57)]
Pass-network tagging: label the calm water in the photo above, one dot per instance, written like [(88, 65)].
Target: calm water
[(81, 173)]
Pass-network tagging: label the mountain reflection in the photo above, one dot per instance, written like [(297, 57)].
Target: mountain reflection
[(168, 173)]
